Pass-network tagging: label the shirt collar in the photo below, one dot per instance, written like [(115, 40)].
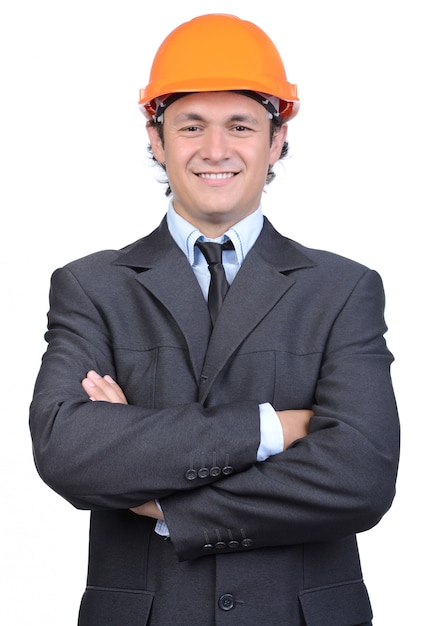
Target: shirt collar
[(243, 234)]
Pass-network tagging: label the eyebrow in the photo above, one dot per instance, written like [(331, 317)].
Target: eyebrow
[(243, 118)]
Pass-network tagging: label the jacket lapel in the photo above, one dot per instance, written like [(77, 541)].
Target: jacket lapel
[(260, 283), (164, 271)]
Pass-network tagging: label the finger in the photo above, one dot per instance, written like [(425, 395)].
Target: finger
[(116, 390), (103, 388), (92, 387)]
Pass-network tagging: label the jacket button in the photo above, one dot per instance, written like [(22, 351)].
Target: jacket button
[(233, 544), (226, 602), (227, 470), (191, 474), (247, 543), (220, 545), (215, 471), (203, 472), (207, 547)]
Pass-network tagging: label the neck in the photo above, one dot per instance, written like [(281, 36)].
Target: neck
[(213, 226)]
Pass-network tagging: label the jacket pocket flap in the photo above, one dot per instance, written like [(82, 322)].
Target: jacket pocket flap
[(115, 607), (345, 604)]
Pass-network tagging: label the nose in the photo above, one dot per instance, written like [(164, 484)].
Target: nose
[(215, 147)]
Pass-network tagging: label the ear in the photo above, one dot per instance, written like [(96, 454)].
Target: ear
[(278, 139), (156, 143)]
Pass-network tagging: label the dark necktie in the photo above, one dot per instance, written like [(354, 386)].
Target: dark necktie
[(212, 252)]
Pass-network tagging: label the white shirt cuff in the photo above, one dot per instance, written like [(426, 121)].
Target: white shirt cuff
[(161, 528), (272, 439)]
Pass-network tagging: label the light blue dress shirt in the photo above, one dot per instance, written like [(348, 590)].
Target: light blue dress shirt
[(243, 235)]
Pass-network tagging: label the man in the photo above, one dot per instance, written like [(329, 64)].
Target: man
[(228, 453)]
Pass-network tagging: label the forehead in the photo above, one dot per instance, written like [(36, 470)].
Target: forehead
[(211, 104)]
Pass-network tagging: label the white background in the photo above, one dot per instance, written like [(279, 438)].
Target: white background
[(366, 178)]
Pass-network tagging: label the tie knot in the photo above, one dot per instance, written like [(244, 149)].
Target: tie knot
[(212, 251)]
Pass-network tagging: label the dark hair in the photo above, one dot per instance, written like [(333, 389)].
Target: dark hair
[(275, 125)]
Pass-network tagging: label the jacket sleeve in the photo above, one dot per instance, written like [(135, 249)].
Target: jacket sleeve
[(100, 455), (339, 480)]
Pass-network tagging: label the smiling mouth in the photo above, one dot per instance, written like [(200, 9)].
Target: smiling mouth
[(217, 176)]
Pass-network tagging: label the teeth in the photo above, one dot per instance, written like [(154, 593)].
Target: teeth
[(217, 176)]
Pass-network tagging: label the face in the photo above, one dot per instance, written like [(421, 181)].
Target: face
[(217, 148)]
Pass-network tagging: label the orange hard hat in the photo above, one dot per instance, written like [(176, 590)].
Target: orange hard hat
[(218, 52)]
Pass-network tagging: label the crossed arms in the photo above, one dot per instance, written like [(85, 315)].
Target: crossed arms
[(294, 423)]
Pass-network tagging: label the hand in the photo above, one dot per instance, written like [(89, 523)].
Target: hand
[(149, 509), (106, 389), (295, 424), (103, 388)]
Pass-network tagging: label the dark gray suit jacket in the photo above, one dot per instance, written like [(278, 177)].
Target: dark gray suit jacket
[(251, 543)]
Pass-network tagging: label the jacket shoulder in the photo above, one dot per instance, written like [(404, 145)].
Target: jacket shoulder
[(289, 253), (327, 258)]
